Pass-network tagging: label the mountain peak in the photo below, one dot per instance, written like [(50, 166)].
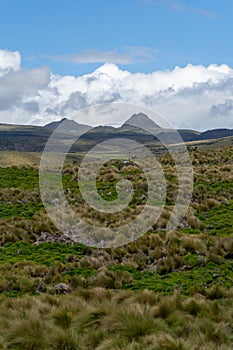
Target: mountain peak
[(142, 121), (67, 125)]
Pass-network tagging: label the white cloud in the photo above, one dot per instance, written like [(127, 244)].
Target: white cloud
[(19, 85), (184, 96), (131, 54), (190, 97), (9, 61)]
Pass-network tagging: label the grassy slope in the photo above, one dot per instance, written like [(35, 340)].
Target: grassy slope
[(195, 261)]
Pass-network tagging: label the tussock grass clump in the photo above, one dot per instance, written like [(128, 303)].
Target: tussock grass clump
[(128, 320)]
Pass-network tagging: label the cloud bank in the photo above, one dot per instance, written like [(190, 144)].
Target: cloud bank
[(195, 97)]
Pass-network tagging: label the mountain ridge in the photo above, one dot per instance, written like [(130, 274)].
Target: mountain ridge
[(68, 125), (32, 138)]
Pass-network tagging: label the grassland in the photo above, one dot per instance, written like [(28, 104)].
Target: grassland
[(163, 291)]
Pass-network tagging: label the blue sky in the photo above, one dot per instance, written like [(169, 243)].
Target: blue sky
[(138, 35), (172, 56)]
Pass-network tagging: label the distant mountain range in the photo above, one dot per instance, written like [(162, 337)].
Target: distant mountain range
[(138, 127)]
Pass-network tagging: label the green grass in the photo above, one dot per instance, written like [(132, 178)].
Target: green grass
[(45, 254), (69, 257), (219, 219), (26, 178), (26, 210), (144, 265), (198, 279)]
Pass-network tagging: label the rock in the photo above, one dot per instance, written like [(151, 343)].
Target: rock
[(144, 197), (62, 288), (68, 192), (125, 163), (47, 237)]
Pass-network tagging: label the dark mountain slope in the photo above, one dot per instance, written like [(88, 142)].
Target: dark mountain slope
[(214, 134)]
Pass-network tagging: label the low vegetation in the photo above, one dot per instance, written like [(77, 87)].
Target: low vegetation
[(164, 291), (103, 319)]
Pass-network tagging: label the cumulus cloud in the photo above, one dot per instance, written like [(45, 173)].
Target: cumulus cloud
[(19, 85), (195, 97), (184, 96), (223, 109)]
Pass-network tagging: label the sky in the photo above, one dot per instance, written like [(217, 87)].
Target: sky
[(172, 56)]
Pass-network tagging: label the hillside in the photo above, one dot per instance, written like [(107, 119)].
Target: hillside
[(159, 292), (214, 134)]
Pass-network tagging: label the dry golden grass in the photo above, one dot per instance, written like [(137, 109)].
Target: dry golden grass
[(126, 320)]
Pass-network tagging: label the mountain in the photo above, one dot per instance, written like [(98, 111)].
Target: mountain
[(173, 136), (30, 138), (141, 121), (214, 134), (67, 125), (23, 138), (188, 135)]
